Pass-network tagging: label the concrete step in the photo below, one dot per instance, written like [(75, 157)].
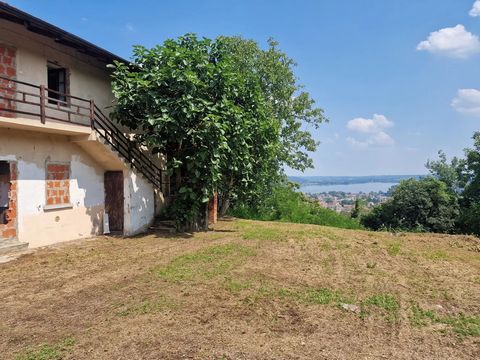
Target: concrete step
[(11, 246), (164, 226)]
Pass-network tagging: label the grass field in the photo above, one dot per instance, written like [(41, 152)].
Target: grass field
[(247, 290)]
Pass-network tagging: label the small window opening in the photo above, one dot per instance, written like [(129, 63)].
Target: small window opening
[(57, 81), (4, 190)]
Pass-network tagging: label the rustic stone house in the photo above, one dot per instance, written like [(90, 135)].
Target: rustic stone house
[(63, 162)]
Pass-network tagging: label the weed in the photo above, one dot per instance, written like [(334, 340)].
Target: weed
[(394, 249), (262, 292), (461, 324), (236, 286), (263, 233), (386, 302), (48, 352), (323, 296), (436, 255), (206, 263), (147, 307)]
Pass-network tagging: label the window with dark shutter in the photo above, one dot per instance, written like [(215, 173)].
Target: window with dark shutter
[(57, 85)]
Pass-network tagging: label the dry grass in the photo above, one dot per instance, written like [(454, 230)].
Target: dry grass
[(248, 290)]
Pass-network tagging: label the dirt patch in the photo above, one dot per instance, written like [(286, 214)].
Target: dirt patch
[(248, 290)]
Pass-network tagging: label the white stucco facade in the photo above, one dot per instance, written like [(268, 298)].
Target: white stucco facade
[(88, 78), (31, 146), (39, 226)]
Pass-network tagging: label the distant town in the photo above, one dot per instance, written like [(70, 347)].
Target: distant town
[(339, 193), (344, 202)]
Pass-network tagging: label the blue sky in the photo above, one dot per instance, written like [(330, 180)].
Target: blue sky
[(399, 80)]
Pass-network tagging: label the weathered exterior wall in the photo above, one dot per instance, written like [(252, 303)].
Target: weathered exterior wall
[(88, 77), (35, 224), (8, 69), (39, 221), (139, 203)]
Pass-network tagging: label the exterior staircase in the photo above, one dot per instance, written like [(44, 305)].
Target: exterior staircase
[(164, 226), (125, 148)]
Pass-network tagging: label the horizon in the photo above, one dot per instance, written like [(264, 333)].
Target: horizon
[(397, 81), (381, 175)]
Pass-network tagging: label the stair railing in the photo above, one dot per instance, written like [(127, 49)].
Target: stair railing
[(22, 98)]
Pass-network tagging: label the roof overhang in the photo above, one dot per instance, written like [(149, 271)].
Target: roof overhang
[(60, 36)]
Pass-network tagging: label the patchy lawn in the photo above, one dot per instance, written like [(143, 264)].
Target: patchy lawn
[(248, 290)]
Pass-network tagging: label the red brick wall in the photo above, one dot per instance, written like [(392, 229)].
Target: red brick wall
[(9, 230), (212, 209), (7, 89), (58, 184)]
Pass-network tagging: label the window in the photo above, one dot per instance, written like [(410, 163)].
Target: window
[(4, 191), (57, 81), (58, 185)]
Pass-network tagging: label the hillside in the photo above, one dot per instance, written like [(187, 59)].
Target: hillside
[(247, 290)]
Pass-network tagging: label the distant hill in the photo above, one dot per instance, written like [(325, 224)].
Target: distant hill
[(345, 180)]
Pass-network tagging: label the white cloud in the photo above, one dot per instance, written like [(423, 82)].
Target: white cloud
[(475, 9), (369, 126), (467, 102), (130, 27), (374, 129), (455, 42)]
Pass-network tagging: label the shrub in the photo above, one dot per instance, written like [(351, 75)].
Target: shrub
[(286, 204), (416, 205)]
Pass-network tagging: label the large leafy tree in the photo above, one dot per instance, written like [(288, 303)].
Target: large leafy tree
[(419, 205), (462, 176), (227, 115)]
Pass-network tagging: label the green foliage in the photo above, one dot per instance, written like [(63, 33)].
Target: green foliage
[(449, 173), (469, 219), (383, 301), (225, 113), (358, 209), (462, 176), (284, 203), (394, 248), (205, 263), (324, 296), (147, 307), (461, 324), (48, 352), (416, 205)]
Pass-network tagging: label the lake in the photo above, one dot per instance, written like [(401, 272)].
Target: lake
[(348, 188)]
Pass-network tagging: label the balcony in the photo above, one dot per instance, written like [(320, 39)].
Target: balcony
[(37, 108), (26, 106)]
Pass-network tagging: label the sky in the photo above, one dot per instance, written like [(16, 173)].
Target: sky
[(398, 80)]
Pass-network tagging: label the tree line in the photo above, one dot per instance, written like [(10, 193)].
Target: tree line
[(448, 201)]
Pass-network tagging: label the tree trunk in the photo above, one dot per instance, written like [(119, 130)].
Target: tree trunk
[(225, 206)]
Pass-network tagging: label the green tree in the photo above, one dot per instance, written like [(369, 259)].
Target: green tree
[(448, 172), (418, 205), (358, 209), (462, 176), (226, 114)]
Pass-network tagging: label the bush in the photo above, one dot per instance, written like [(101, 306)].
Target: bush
[(416, 205), (469, 220), (286, 204)]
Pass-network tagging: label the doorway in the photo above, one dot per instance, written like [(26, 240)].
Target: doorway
[(4, 191), (114, 200)]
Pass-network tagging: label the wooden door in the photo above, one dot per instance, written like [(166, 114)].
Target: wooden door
[(114, 198)]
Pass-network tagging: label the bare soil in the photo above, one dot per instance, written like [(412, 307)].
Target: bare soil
[(246, 290)]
